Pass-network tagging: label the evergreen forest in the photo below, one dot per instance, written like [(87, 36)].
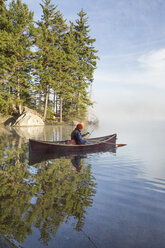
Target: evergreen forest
[(45, 65)]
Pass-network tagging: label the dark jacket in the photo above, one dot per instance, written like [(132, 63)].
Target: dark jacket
[(76, 135)]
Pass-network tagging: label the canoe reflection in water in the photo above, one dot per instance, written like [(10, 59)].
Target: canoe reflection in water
[(38, 157)]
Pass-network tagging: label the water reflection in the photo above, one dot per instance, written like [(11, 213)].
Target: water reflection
[(76, 161), (55, 201), (40, 132), (43, 195), (37, 157)]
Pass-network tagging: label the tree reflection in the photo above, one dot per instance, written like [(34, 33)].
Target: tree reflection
[(43, 195)]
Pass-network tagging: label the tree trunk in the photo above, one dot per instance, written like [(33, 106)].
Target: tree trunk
[(20, 109), (46, 101), (18, 96), (61, 102), (54, 101), (40, 105), (78, 106)]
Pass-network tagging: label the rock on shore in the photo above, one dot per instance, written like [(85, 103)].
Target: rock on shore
[(26, 119)]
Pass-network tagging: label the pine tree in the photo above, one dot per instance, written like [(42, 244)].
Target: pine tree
[(70, 68), (3, 11), (86, 61), (48, 57), (4, 94), (15, 52)]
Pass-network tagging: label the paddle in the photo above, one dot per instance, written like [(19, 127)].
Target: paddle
[(109, 143), (118, 145), (121, 145)]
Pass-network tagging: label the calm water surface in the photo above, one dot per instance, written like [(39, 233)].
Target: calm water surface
[(113, 199)]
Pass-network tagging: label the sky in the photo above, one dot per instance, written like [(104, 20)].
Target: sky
[(129, 82)]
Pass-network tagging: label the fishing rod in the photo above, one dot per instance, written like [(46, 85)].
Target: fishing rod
[(91, 132)]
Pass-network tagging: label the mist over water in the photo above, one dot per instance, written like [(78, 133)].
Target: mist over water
[(117, 199)]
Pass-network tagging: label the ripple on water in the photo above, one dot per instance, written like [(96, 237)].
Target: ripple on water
[(129, 206)]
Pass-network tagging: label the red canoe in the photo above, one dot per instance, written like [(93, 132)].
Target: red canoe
[(94, 144)]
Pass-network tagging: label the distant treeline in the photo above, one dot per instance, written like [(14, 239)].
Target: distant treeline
[(46, 65)]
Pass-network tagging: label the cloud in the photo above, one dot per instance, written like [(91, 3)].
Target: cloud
[(135, 93), (146, 70), (154, 61)]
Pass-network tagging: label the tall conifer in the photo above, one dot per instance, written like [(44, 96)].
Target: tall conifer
[(48, 42), (4, 94), (86, 56), (16, 51), (70, 69)]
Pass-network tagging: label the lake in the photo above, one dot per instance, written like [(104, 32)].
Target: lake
[(113, 199)]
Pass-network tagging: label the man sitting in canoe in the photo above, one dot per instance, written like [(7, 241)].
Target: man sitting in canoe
[(77, 136)]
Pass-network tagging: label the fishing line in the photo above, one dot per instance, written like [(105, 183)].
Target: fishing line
[(89, 239), (90, 133)]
